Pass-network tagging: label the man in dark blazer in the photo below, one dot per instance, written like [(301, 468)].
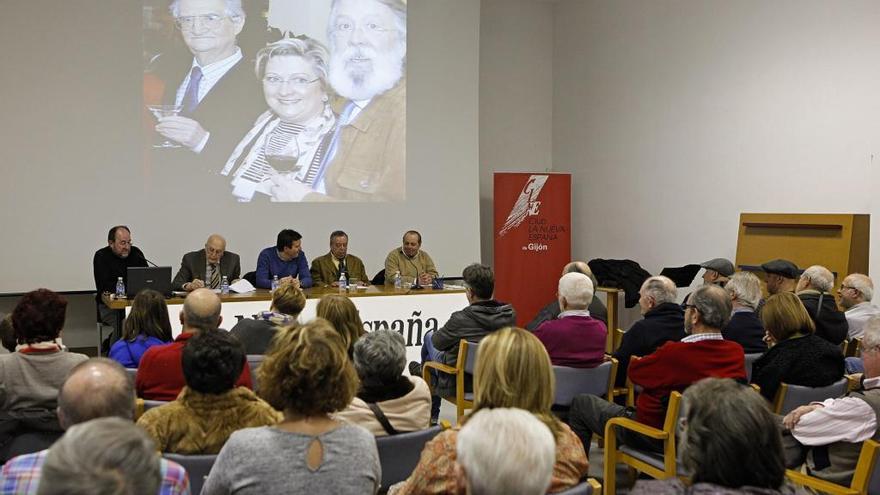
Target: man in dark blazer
[(326, 269), (206, 267)]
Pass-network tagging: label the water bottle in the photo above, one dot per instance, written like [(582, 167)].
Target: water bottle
[(120, 288), (274, 283), (343, 282), (224, 285), (398, 284)]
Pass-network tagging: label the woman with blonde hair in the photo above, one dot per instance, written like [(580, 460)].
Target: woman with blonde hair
[(512, 370), (307, 375), (256, 334), (796, 356), (344, 316)]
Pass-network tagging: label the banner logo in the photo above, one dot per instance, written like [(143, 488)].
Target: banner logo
[(526, 205)]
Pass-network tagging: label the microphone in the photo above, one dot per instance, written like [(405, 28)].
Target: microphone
[(150, 262)]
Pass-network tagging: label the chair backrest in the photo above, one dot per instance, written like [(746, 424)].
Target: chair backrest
[(149, 404), (580, 489), (469, 351), (252, 278), (750, 360), (379, 279), (197, 467), (571, 382), (790, 397), (132, 372), (254, 362), (399, 454)]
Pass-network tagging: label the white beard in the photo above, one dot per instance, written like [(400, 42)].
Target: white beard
[(363, 83)]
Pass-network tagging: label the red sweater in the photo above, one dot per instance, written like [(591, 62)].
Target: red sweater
[(160, 373), (674, 366)]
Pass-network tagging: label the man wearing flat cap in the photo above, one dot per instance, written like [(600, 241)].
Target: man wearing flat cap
[(782, 276), (718, 271)]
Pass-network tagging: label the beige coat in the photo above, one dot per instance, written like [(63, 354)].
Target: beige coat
[(412, 412), (396, 261)]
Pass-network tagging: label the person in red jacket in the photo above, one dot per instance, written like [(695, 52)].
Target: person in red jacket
[(672, 367), (160, 373)]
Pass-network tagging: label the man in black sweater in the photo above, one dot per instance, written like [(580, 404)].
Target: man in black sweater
[(112, 262)]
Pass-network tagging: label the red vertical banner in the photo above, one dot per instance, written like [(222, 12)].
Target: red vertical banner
[(532, 238)]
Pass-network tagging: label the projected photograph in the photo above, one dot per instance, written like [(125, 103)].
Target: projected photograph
[(275, 100)]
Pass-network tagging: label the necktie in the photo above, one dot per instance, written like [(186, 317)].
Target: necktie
[(191, 96), (342, 268), (215, 276)]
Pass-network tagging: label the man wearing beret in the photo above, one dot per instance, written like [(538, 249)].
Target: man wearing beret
[(782, 276), (718, 271)]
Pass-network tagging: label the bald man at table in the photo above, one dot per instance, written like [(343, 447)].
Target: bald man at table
[(208, 266)]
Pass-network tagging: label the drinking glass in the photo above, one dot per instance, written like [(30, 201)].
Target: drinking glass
[(160, 111)]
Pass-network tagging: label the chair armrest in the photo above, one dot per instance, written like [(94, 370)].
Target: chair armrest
[(633, 425), (595, 485), (818, 484), (139, 408), (442, 368)]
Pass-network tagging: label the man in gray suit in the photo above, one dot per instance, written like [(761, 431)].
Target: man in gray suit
[(206, 267)]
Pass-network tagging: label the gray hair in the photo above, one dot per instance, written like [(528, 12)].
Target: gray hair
[(233, 9), (746, 286), (102, 456), (303, 46), (577, 289), (661, 288), (714, 305), (863, 284), (730, 438), (87, 395), (506, 450), (581, 267), (380, 356), (819, 277), (398, 8), (871, 337)]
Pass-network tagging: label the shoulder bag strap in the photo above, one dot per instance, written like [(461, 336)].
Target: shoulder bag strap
[(383, 420)]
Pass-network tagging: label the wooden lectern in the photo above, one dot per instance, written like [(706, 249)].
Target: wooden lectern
[(838, 242)]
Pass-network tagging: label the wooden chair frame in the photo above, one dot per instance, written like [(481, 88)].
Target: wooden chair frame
[(667, 435), (460, 402), (861, 477)]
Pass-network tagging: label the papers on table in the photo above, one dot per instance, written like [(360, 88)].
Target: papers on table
[(242, 286)]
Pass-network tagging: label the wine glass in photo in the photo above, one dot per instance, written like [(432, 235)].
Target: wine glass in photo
[(160, 111), (282, 153)]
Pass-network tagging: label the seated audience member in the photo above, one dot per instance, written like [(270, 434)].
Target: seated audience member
[(285, 260), (31, 376), (856, 292), (160, 374), (146, 325), (717, 271), (7, 335), (833, 430), (256, 334), (388, 402), (105, 456), (552, 310), (206, 267), (505, 450), (326, 269), (210, 407), (729, 444), (410, 261), (575, 338), (780, 276), (672, 367), (97, 388), (512, 370), (308, 375), (745, 327), (814, 290), (344, 316), (483, 316), (111, 262), (796, 356), (663, 321)]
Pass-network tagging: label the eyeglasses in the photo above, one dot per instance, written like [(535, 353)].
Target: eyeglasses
[(343, 26), (685, 306), (298, 82), (208, 21), (842, 287)]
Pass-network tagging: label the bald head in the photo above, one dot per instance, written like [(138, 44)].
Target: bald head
[(581, 267), (855, 289), (215, 247), (97, 388), (201, 311)]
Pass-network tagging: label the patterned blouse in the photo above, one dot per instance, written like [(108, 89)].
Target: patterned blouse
[(435, 473)]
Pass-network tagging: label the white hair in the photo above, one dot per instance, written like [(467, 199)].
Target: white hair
[(233, 8), (820, 278), (577, 289), (871, 337), (506, 451), (661, 288), (863, 284), (746, 286)]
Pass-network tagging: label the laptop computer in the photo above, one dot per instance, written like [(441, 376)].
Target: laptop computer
[(157, 278)]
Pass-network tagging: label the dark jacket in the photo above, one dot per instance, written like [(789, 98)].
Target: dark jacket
[(662, 324), (194, 264), (746, 329), (108, 267), (623, 274), (830, 322), (551, 312), (809, 361), (472, 324), (256, 334)]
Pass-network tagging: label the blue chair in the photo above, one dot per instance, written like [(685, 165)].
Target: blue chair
[(790, 397), (399, 454), (571, 382), (750, 360), (197, 467), (866, 479)]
